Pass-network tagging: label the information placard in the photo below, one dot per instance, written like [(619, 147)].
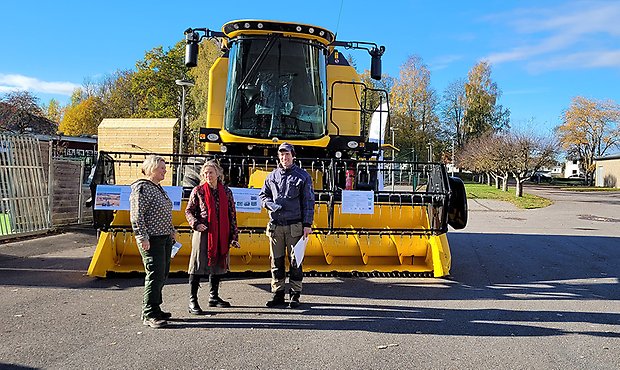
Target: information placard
[(358, 202), (116, 197), (246, 200)]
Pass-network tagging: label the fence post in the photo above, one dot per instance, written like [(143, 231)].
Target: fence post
[(81, 192), (50, 183)]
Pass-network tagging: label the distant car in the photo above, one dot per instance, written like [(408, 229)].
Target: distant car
[(539, 177)]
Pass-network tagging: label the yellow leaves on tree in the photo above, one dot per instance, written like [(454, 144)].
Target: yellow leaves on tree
[(481, 96), (589, 129), (413, 103), (83, 118)]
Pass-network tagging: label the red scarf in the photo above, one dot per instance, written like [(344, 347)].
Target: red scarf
[(219, 226)]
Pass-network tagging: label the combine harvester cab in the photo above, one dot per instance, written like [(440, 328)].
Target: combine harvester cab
[(279, 82)]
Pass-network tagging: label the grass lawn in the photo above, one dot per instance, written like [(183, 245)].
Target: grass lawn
[(483, 191)]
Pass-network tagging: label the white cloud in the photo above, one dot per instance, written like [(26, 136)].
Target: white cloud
[(594, 59), (444, 61), (13, 82), (584, 33)]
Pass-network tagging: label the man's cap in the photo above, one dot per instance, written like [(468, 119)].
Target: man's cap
[(286, 147)]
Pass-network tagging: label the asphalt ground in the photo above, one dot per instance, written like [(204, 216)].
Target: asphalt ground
[(530, 289)]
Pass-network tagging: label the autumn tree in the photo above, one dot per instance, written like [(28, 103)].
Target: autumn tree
[(527, 153), (498, 155), (453, 109), (154, 82), (20, 112), (590, 129), (485, 155), (83, 118), (378, 90), (116, 91), (483, 114), (53, 111), (414, 102)]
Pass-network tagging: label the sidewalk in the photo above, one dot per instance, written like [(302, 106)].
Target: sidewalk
[(63, 243)]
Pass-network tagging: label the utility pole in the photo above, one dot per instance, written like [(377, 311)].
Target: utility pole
[(183, 84)]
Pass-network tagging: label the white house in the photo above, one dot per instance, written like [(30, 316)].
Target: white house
[(572, 168)]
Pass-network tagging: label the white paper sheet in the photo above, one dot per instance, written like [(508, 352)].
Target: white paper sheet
[(298, 251)]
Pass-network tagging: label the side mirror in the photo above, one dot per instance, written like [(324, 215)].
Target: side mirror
[(375, 62), (191, 49)]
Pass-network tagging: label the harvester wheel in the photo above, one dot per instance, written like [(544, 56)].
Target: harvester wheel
[(191, 175), (457, 209)]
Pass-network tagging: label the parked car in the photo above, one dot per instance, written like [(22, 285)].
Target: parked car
[(540, 177)]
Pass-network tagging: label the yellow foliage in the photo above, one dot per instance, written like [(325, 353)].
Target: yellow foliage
[(590, 127), (83, 118)]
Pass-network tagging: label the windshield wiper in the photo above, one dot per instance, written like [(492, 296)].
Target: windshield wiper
[(261, 57)]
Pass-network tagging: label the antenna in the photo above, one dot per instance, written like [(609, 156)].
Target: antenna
[(338, 23)]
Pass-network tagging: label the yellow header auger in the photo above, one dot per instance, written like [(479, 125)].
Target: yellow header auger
[(276, 82)]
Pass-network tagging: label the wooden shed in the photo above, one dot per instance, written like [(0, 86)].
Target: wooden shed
[(136, 135)]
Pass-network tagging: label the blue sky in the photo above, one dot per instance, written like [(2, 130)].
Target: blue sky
[(543, 53)]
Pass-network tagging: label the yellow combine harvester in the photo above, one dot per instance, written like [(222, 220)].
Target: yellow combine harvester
[(277, 82)]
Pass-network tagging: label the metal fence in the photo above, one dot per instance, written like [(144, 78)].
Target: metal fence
[(24, 201), (401, 185)]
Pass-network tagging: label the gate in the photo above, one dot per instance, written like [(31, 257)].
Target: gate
[(24, 201)]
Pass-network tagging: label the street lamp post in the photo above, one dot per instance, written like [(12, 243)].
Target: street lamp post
[(393, 129), (183, 84)]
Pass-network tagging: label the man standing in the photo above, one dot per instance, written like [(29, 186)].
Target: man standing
[(289, 197)]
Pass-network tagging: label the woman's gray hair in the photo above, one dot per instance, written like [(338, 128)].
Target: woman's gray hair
[(216, 166), (150, 164)]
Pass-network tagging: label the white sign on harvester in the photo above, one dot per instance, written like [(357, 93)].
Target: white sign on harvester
[(116, 197), (246, 200), (358, 202)]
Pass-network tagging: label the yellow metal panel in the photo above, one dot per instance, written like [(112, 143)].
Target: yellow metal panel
[(356, 251), (345, 96), (218, 77)]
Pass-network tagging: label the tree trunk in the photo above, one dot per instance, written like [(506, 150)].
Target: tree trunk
[(519, 188), (505, 183), (489, 179)]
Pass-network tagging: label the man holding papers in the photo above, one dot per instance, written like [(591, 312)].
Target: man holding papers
[(288, 196)]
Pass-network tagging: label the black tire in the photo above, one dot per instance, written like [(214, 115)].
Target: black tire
[(457, 206), (191, 174)]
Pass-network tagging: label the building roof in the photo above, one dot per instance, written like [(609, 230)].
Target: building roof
[(80, 139), (608, 157), (137, 122)]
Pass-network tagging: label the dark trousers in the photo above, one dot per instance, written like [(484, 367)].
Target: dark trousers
[(157, 266), (281, 240)]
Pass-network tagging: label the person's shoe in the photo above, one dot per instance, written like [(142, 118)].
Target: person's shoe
[(194, 307), (218, 302), (294, 303), (165, 315), (277, 300), (155, 323)]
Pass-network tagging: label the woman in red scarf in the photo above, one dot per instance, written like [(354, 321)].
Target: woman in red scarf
[(211, 213)]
